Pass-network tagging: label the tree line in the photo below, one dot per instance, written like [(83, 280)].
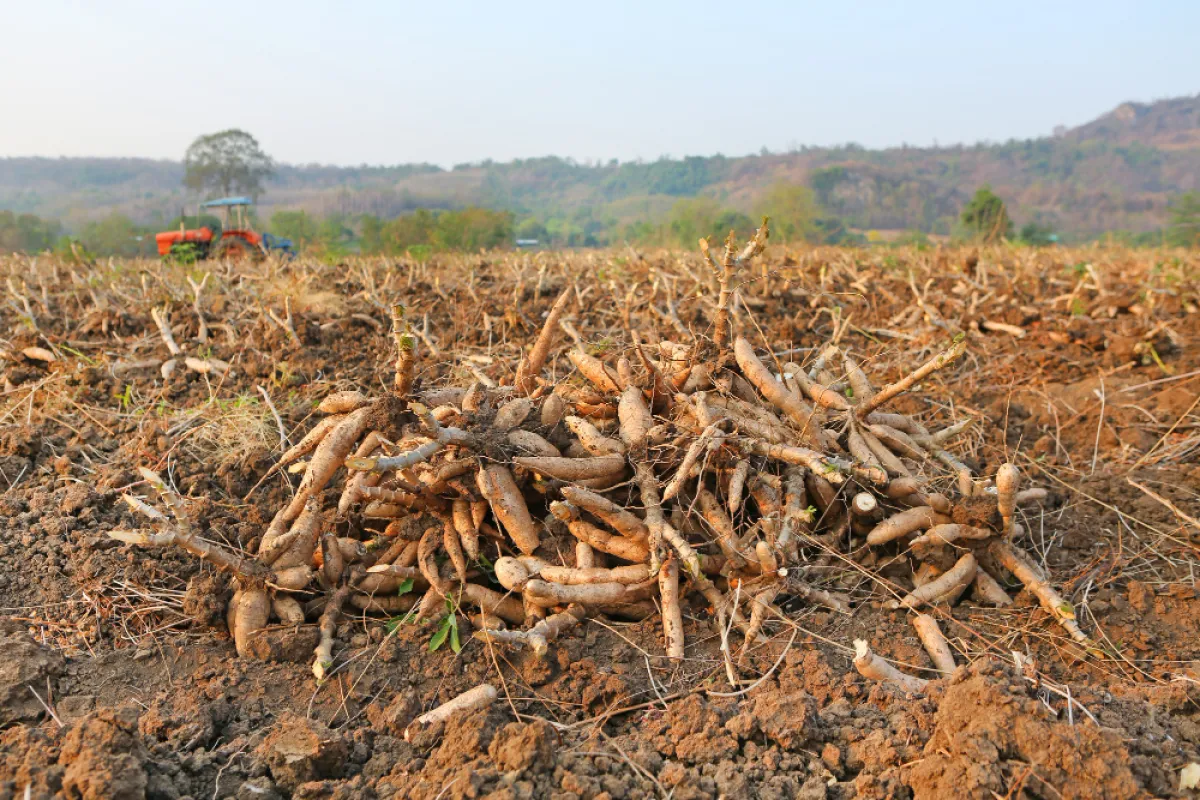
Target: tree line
[(795, 218), (232, 162)]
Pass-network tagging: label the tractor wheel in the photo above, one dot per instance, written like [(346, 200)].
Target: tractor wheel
[(236, 249)]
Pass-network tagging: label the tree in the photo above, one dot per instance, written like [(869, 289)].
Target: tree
[(371, 237), (693, 219), (295, 225), (532, 228), (792, 208), (985, 218), (1037, 235), (26, 233), (1184, 228), (115, 235), (229, 162)]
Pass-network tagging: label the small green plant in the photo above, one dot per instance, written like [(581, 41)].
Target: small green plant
[(405, 587), (125, 398), (186, 253), (90, 362), (405, 619), (488, 568), (447, 630), (601, 347)]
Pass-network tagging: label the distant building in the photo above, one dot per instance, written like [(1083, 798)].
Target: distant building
[(527, 242)]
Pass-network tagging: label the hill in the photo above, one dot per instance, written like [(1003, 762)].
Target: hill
[(1117, 172)]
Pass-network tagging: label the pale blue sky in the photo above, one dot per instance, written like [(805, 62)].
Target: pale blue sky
[(393, 82)]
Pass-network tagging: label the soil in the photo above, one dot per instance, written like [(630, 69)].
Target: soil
[(121, 681)]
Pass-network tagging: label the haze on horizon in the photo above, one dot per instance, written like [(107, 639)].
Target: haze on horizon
[(383, 84)]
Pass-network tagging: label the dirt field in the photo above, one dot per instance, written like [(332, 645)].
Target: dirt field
[(120, 678)]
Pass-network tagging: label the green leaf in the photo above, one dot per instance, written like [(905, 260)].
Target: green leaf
[(849, 392), (405, 586), (439, 637), (486, 565), (455, 644), (396, 622)]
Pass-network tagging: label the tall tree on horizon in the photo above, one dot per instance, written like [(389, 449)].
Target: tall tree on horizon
[(230, 162), (1184, 228), (986, 218)]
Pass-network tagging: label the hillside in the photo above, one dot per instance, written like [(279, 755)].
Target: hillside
[(1117, 172)]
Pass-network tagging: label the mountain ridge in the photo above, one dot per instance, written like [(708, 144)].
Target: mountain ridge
[(1118, 171)]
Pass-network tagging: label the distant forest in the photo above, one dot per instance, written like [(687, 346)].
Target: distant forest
[(1121, 174)]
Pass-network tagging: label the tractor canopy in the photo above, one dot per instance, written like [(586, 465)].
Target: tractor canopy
[(226, 202)]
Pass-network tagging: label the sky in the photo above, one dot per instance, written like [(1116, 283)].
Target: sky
[(396, 82)]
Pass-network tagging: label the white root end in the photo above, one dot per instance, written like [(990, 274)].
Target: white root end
[(343, 402), (634, 416), (946, 588), (737, 484), (594, 370), (573, 469), (935, 643), (1008, 482), (585, 556), (590, 437), (760, 604), (936, 363), (249, 612), (499, 488), (327, 458), (532, 364), (1027, 573), (546, 594), (512, 414), (776, 393), (577, 576), (864, 505), (672, 613), (464, 524), (475, 699), (287, 609), (511, 573), (945, 534), (904, 523), (875, 668), (1031, 496), (311, 439), (529, 443), (538, 637), (988, 590), (687, 465)]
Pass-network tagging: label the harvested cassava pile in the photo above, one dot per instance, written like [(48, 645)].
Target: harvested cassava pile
[(697, 471)]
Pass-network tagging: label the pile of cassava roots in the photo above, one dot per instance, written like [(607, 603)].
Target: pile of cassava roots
[(704, 471)]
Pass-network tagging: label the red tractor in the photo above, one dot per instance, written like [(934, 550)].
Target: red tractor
[(237, 240)]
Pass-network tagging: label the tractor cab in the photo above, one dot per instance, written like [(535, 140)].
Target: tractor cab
[(238, 239)]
